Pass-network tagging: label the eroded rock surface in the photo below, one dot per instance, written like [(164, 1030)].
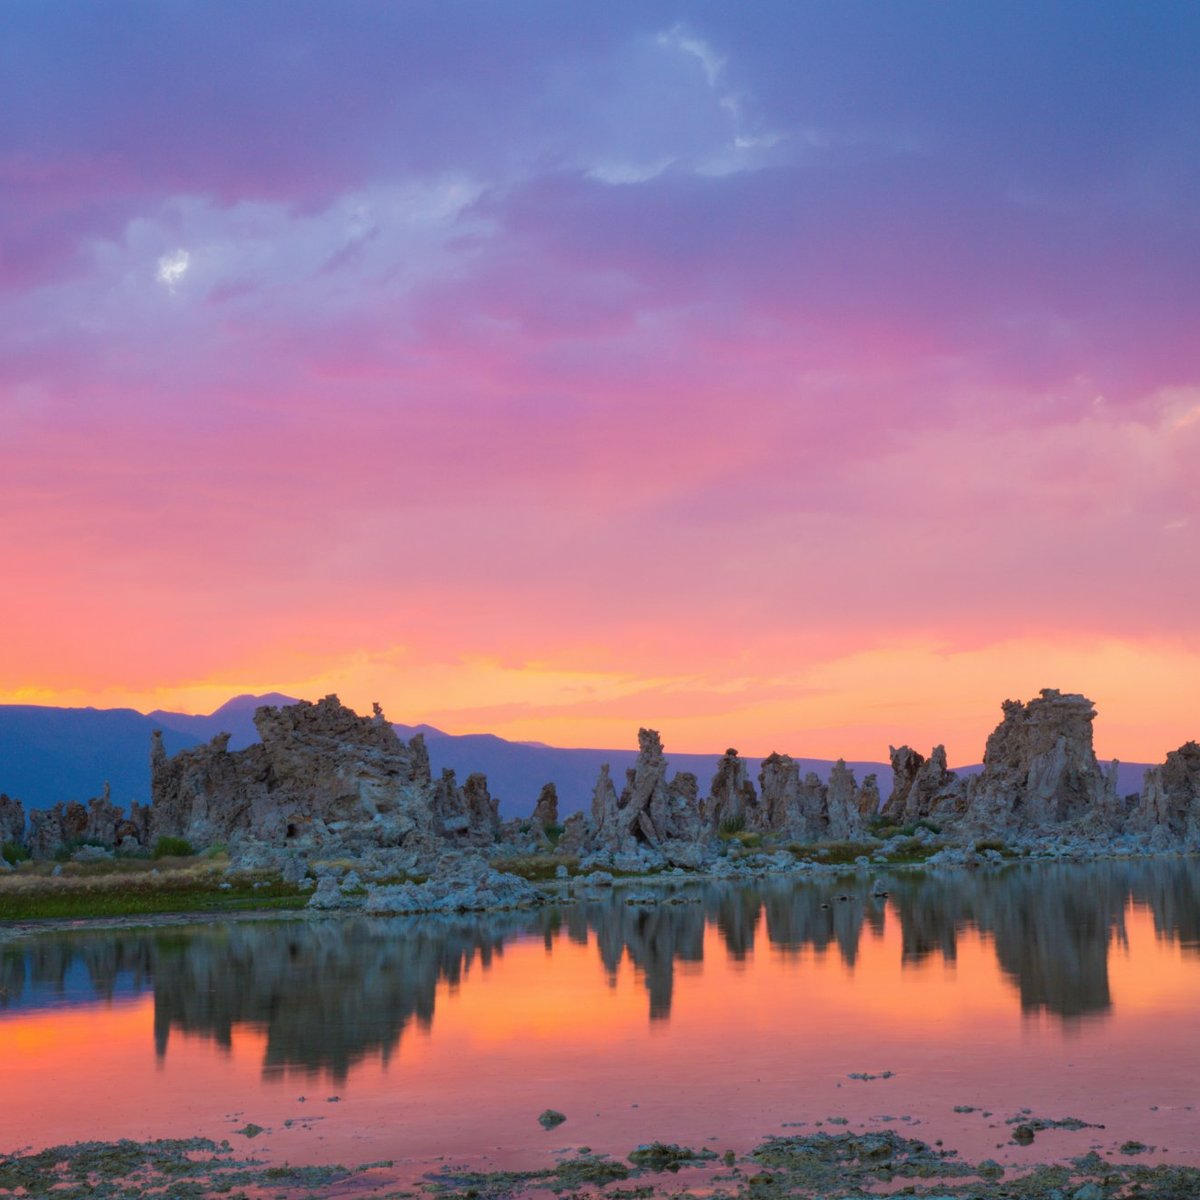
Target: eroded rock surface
[(320, 771), (842, 804), (324, 781), (12, 820), (920, 786), (545, 812), (733, 802), (1169, 807), (1040, 770), (789, 806)]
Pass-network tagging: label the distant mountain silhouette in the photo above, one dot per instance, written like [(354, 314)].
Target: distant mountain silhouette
[(52, 754), (235, 717)]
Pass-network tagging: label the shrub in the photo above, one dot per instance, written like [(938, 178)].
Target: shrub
[(12, 853), (732, 826), (173, 847), (991, 844), (553, 833)]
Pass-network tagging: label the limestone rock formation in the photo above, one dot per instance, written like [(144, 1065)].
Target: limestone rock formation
[(1040, 770), (791, 808), (12, 820), (46, 831), (98, 823), (1169, 807), (319, 770), (733, 802), (604, 810), (645, 794), (920, 785), (868, 798), (574, 835), (467, 814), (483, 809), (845, 817), (651, 810), (620, 822), (545, 812)]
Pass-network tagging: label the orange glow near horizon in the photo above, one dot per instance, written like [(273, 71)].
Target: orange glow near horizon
[(854, 706)]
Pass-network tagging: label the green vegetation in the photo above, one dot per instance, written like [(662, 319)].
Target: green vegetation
[(553, 833), (137, 887), (67, 849), (13, 854), (173, 847), (731, 826), (837, 853), (987, 844), (747, 840), (538, 868)]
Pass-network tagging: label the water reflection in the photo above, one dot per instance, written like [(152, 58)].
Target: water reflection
[(328, 994)]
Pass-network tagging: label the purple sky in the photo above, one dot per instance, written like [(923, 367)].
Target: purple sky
[(792, 376)]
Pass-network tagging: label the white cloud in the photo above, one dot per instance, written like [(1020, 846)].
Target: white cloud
[(712, 62), (173, 267)]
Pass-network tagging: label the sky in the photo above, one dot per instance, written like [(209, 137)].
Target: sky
[(790, 376)]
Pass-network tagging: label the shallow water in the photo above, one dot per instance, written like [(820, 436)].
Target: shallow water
[(1068, 990)]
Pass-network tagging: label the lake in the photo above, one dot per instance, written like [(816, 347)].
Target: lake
[(1067, 990)]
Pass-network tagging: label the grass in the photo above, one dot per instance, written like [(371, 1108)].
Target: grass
[(173, 847), (137, 887)]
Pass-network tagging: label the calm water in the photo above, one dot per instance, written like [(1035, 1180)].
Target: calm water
[(1070, 990)]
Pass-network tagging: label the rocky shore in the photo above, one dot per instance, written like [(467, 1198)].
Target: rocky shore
[(340, 805)]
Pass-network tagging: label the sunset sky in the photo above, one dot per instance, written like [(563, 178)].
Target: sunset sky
[(781, 375)]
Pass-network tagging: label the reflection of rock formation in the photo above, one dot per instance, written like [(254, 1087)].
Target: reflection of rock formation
[(654, 938), (327, 995), (1051, 928)]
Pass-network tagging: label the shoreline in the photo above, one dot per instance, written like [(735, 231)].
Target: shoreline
[(820, 1163), (650, 889)]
